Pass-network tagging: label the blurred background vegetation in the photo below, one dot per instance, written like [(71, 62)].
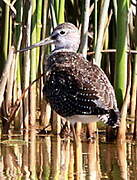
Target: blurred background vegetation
[(108, 37)]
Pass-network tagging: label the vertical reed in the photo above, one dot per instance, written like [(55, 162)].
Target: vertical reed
[(84, 32), (33, 65), (44, 107), (38, 28), (134, 82), (121, 65), (27, 67), (61, 11), (121, 55), (17, 87), (6, 31), (95, 24), (103, 16)]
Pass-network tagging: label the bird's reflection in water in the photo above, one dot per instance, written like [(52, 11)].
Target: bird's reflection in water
[(49, 157)]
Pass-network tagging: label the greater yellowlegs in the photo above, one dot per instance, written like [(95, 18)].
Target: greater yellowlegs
[(76, 89)]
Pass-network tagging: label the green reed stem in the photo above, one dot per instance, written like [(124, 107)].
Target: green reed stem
[(121, 55), (33, 65), (39, 26), (61, 18)]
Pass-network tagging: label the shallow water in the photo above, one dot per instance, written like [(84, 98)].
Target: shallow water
[(30, 156)]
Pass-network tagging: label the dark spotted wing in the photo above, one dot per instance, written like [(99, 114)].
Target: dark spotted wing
[(77, 87)]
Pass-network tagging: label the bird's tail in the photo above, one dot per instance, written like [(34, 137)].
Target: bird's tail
[(114, 118)]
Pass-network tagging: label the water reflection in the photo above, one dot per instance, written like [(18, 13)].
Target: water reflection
[(33, 157), (93, 163), (25, 156), (122, 156)]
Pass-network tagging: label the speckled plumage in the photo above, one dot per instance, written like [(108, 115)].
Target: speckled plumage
[(75, 86), (76, 89)]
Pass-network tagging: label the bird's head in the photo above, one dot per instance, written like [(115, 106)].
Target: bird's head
[(65, 36)]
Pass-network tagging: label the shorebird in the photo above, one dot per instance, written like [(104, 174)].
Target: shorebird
[(76, 89)]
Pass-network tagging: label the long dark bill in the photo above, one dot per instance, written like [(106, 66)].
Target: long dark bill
[(41, 43)]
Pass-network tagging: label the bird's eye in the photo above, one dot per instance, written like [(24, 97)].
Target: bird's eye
[(62, 32)]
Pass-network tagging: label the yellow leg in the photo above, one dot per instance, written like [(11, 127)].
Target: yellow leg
[(74, 134)]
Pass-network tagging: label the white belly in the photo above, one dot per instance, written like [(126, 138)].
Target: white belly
[(83, 118)]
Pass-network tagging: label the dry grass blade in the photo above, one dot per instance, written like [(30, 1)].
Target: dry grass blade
[(101, 31), (5, 74), (17, 102)]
